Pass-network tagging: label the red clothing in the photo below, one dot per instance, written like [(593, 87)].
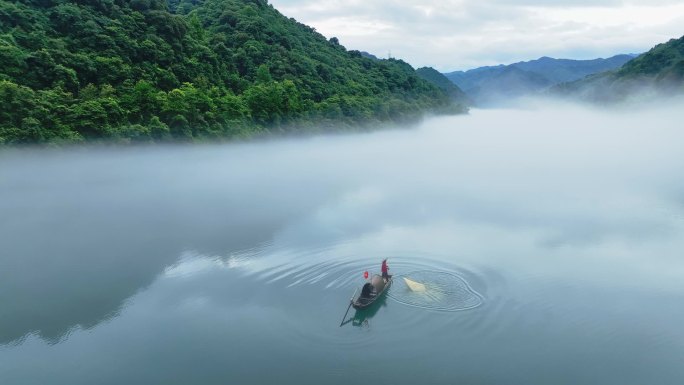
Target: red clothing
[(384, 267)]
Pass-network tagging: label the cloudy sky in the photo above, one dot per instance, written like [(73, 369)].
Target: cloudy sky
[(462, 34)]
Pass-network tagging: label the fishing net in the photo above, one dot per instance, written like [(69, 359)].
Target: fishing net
[(435, 290)]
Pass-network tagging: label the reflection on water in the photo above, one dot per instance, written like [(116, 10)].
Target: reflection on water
[(362, 317), (560, 231)]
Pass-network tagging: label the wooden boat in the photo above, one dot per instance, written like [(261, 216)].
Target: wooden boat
[(371, 291)]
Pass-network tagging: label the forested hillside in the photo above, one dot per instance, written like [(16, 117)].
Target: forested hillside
[(151, 70), (658, 72), (665, 62), (437, 78)]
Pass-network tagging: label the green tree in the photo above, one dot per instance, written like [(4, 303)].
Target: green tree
[(184, 69)]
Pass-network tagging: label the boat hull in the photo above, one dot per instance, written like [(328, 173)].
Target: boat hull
[(371, 292)]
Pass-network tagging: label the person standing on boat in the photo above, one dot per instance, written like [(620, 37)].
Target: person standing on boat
[(384, 268)]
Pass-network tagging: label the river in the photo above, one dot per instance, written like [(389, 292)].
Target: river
[(550, 241)]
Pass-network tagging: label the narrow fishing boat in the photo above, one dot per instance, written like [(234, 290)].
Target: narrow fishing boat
[(371, 291)]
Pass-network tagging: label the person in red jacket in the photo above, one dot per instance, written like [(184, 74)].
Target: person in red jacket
[(384, 268)]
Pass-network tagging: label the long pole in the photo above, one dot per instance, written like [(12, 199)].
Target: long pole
[(351, 301)]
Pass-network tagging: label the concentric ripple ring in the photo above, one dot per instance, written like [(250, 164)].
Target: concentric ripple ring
[(444, 291)]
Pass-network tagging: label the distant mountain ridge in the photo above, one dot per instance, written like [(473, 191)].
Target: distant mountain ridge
[(498, 84)]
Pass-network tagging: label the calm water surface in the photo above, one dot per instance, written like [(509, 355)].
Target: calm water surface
[(551, 242)]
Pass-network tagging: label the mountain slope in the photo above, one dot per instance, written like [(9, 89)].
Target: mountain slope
[(438, 79), (135, 70), (663, 62), (507, 84), (471, 79), (502, 83), (660, 71)]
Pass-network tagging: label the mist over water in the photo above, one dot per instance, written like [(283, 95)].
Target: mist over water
[(234, 263)]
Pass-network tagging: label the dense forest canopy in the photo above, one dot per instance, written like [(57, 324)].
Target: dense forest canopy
[(152, 70)]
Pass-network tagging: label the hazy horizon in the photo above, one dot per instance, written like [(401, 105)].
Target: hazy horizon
[(458, 35)]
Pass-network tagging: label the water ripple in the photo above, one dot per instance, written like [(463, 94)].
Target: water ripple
[(444, 291)]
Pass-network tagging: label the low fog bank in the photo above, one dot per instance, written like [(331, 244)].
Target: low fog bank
[(91, 227), (601, 94), (646, 100), (607, 90)]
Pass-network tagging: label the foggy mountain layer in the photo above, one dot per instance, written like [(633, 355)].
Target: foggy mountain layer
[(499, 84), (658, 72)]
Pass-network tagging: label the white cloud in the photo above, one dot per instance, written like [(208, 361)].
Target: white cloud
[(461, 34)]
